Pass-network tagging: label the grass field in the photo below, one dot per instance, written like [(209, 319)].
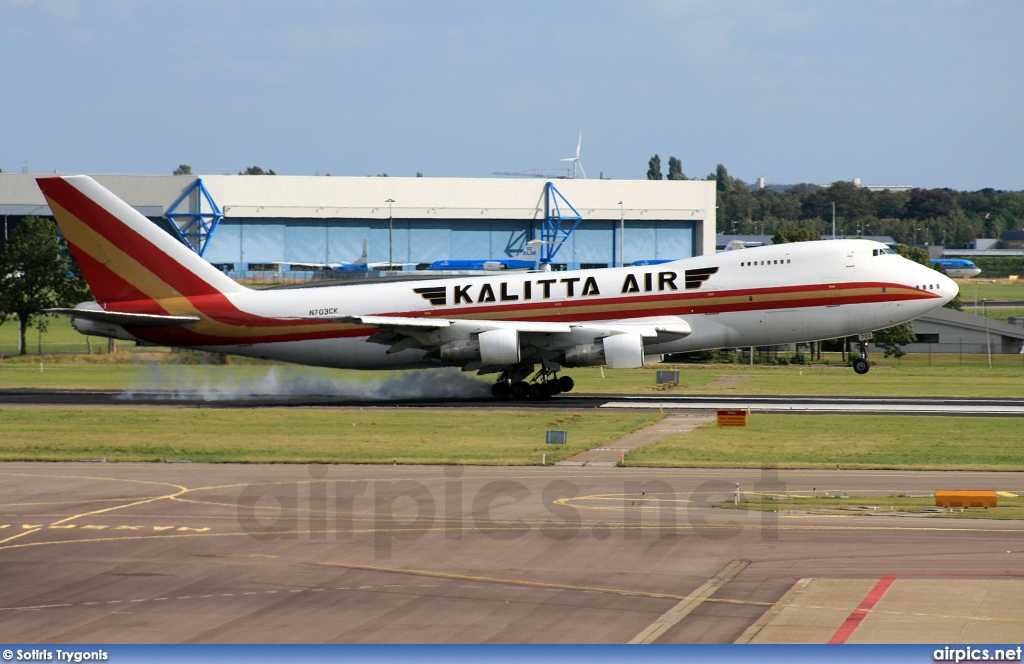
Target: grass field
[(59, 337), (1009, 507), (854, 442), (1000, 314), (1003, 290), (147, 369), (302, 435), (384, 435)]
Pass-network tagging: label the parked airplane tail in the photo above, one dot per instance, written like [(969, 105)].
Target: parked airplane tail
[(123, 255), (362, 261)]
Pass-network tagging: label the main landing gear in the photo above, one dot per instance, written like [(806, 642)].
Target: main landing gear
[(544, 384), (861, 364)]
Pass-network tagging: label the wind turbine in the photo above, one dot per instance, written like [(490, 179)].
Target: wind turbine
[(576, 160)]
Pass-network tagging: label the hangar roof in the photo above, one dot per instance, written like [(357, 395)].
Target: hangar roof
[(968, 321), (283, 196)]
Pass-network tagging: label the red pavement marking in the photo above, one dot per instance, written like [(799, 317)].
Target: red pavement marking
[(847, 629)]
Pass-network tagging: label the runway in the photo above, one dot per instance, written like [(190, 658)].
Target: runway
[(229, 553), (758, 403)]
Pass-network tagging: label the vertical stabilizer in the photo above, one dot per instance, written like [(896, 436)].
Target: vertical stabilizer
[(123, 255)]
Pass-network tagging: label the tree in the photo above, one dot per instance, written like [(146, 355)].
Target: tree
[(792, 234), (256, 170), (184, 169), (892, 339), (675, 169), (654, 168), (36, 273), (929, 203), (916, 254)]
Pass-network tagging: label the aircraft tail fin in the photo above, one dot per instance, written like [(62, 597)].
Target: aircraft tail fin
[(361, 263), (123, 255), (531, 251)]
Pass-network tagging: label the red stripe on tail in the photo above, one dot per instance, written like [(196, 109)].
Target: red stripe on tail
[(119, 234)]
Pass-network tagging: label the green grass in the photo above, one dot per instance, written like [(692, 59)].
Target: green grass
[(59, 337), (146, 369), (1007, 509), (302, 435), (1003, 290), (910, 376), (854, 442), (1000, 314)]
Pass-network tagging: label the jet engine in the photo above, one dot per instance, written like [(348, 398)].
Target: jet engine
[(619, 351), (491, 347)]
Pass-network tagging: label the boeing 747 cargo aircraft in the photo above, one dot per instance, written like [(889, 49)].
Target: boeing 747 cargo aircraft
[(523, 327)]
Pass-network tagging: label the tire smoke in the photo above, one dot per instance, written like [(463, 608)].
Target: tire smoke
[(177, 382)]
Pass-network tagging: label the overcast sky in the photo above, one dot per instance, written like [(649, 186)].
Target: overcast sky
[(927, 94)]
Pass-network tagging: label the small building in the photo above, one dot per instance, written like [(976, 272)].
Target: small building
[(950, 331)]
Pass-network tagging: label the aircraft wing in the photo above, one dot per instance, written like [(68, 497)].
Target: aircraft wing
[(459, 340), (394, 322)]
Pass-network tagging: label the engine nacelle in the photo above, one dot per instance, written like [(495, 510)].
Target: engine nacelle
[(624, 351), (491, 347), (619, 351), (499, 346), (460, 350), (585, 355)]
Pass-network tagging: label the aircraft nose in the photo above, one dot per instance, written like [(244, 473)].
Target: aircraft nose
[(947, 288), (934, 281)]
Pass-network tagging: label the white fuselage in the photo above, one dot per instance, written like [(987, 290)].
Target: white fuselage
[(760, 296)]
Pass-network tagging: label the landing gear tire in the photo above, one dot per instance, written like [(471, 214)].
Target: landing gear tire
[(566, 383), (861, 364), (537, 391), (520, 390), (500, 390), (552, 387)]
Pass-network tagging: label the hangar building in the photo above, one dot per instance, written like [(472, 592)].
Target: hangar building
[(254, 221)]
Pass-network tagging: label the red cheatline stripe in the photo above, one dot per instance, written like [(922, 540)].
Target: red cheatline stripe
[(847, 629)]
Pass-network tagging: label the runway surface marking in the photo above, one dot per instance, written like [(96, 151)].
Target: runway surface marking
[(553, 526), (674, 615), (251, 594), (882, 611), (838, 408), (771, 614), (537, 584), (851, 624)]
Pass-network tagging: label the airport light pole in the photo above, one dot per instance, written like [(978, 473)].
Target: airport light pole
[(622, 235), (988, 339), (391, 236), (991, 281), (833, 220)]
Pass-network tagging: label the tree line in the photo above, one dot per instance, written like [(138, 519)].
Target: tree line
[(915, 217)]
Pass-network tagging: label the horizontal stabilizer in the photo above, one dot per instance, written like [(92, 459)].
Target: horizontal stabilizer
[(125, 319)]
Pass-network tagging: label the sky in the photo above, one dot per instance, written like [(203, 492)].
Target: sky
[(927, 94)]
